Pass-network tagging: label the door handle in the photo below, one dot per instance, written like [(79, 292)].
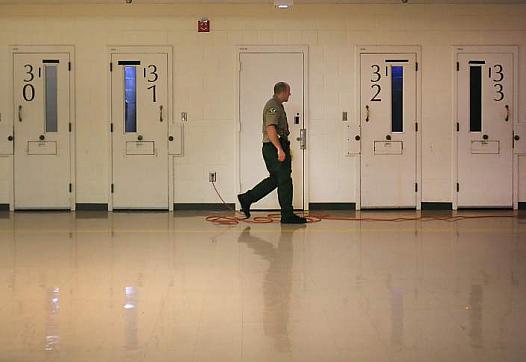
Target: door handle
[(507, 118), (485, 137), (139, 137), (516, 137), (302, 139), (20, 113), (10, 138), (171, 138), (367, 113), (388, 137), (161, 113), (42, 137)]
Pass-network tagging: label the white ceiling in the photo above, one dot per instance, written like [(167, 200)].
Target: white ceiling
[(264, 1)]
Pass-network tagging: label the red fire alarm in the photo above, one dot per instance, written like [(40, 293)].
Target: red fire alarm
[(203, 26)]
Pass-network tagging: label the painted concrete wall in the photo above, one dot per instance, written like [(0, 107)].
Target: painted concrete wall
[(205, 72)]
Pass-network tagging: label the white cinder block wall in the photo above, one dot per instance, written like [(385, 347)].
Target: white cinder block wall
[(205, 73)]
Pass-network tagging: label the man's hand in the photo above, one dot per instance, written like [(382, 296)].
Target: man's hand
[(281, 155)]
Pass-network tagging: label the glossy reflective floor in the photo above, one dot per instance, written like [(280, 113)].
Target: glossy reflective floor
[(130, 287)]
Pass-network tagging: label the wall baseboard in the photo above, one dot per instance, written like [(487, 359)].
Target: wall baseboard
[(221, 207), (203, 206), (138, 211), (437, 206), (332, 206), (91, 207)]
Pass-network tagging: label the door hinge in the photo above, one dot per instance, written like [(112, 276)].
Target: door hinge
[(112, 188), (416, 187), (416, 65), (69, 127), (111, 66), (416, 126), (240, 66), (111, 127), (70, 187), (69, 66), (458, 127), (458, 66), (458, 187)]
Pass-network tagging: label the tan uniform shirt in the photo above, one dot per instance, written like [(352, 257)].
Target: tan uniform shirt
[(274, 114)]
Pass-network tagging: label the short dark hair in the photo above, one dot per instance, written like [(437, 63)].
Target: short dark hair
[(280, 87)]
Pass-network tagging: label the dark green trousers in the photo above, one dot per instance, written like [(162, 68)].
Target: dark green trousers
[(280, 177)]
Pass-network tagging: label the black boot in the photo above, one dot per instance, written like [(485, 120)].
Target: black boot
[(293, 219), (245, 204)]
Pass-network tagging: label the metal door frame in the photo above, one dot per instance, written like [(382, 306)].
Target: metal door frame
[(300, 49), (460, 49), (38, 49), (138, 49), (389, 49)]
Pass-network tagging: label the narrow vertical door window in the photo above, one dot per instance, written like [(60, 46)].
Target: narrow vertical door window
[(130, 99), (397, 99), (475, 98), (50, 79)]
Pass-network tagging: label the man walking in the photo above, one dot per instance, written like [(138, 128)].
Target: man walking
[(276, 153)]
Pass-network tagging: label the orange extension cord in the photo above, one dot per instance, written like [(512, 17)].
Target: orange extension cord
[(271, 218)]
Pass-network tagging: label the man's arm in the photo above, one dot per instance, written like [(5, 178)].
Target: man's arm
[(273, 137)]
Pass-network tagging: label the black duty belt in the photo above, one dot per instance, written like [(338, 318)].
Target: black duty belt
[(284, 140)]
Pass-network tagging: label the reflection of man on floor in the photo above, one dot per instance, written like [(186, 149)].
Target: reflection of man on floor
[(277, 283)]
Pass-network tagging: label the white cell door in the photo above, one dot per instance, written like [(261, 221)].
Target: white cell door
[(42, 131), (139, 100), (388, 130), (485, 130), (259, 72)]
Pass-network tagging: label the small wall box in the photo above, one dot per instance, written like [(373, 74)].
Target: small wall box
[(203, 26)]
